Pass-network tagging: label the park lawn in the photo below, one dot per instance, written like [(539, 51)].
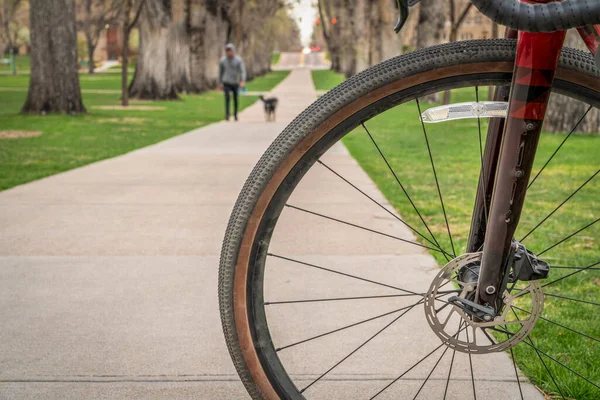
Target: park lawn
[(130, 67), (98, 81), (69, 142), (455, 148), (266, 82), (23, 63), (275, 58), (112, 81), (326, 79)]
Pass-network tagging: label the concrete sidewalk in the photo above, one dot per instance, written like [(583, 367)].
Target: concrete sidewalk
[(108, 276)]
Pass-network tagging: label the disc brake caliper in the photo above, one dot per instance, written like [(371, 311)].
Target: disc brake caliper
[(527, 267)]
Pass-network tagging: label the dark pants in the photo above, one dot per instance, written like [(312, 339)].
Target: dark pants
[(233, 89)]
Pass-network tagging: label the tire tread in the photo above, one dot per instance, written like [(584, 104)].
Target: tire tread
[(496, 50)]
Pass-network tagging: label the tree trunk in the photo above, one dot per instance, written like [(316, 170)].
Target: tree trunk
[(564, 112), (54, 83), (430, 30), (361, 27), (387, 41), (207, 34), (125, 33), (432, 19), (179, 58), (91, 64), (362, 35), (249, 23), (153, 79), (196, 27), (125, 70)]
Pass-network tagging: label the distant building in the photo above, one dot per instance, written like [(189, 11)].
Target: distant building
[(178, 10), (109, 44), (474, 26)]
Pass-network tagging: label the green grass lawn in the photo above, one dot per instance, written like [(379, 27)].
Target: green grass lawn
[(131, 67), (266, 82), (275, 58), (326, 79), (87, 82), (69, 142), (455, 149), (22, 62)]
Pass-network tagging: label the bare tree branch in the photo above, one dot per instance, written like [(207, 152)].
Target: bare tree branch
[(322, 16), (135, 19), (92, 18), (463, 15), (8, 14)]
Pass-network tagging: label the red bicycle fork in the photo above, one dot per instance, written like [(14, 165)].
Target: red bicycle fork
[(535, 66), (591, 37)]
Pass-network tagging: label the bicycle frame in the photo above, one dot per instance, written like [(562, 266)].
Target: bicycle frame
[(510, 151)]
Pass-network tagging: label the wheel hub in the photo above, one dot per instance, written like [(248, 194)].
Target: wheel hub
[(469, 327)]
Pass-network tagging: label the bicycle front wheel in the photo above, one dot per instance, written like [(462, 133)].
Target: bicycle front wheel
[(311, 312)]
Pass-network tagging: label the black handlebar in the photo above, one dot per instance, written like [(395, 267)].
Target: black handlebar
[(515, 14), (549, 17)]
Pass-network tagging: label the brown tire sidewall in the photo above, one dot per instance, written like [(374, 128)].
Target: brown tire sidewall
[(243, 263)]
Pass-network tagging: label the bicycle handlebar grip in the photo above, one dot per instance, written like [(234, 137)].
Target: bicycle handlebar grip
[(548, 17)]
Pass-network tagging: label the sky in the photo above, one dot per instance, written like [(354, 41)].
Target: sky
[(307, 11)]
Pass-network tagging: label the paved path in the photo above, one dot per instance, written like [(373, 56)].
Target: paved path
[(108, 275), (298, 60), (106, 66)]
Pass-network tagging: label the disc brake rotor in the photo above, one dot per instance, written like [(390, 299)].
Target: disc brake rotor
[(455, 325)]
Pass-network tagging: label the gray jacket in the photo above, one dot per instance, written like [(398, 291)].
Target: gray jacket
[(232, 70)]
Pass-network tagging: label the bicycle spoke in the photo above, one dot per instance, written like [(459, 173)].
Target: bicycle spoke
[(572, 299), (437, 183), (430, 373), (560, 205), (540, 358), (481, 172), (488, 336), (501, 330), (578, 268), (512, 357), (362, 227), (561, 325), (571, 274), (442, 307), (562, 365), (559, 146), (568, 237), (547, 369), (449, 373), (403, 189), (349, 326), (344, 274), (471, 366), (512, 286), (414, 365), (378, 204), (359, 347), (270, 303)]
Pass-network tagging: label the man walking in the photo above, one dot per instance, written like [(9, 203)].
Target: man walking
[(232, 76)]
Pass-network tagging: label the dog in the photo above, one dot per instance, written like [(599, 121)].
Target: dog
[(270, 107)]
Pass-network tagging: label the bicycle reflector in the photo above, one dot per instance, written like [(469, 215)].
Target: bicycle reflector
[(482, 109)]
